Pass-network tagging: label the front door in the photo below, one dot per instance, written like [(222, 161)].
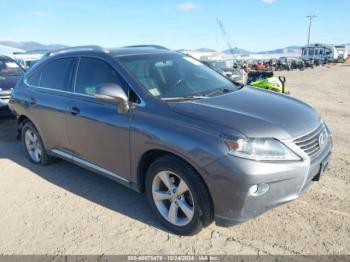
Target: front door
[(99, 135)]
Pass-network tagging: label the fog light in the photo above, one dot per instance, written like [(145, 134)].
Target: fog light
[(259, 189)]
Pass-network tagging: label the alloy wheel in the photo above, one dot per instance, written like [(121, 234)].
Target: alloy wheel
[(173, 198), (33, 145)]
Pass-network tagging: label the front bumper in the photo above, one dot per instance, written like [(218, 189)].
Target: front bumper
[(4, 100), (230, 178)]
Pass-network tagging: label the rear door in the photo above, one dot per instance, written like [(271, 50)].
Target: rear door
[(99, 135), (48, 101)]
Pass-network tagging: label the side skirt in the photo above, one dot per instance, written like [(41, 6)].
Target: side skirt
[(94, 168)]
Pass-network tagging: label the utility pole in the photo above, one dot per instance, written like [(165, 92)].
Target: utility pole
[(309, 33)]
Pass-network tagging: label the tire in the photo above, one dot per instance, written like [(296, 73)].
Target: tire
[(33, 145), (196, 198)]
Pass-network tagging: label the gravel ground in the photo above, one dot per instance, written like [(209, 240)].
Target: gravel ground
[(64, 209)]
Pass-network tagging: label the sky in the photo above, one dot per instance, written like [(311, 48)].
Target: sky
[(254, 25)]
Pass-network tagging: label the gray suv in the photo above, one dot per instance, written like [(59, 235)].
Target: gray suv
[(201, 147)]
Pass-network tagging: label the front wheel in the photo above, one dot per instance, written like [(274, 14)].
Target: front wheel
[(178, 196)]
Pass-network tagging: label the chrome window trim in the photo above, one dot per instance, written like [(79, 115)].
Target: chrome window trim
[(46, 88), (76, 75), (141, 104), (88, 164), (25, 80)]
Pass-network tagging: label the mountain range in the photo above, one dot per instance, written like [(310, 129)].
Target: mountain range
[(288, 49), (240, 51), (35, 46), (31, 46)]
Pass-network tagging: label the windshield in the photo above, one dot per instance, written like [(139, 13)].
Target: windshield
[(10, 68), (173, 76)]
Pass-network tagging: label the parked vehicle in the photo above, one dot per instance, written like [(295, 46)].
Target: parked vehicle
[(201, 147), (10, 73), (254, 75), (297, 63), (276, 84), (309, 63), (283, 64), (342, 52), (232, 73), (28, 59), (320, 53)]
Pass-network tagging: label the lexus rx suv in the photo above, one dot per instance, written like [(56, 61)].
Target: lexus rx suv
[(201, 147)]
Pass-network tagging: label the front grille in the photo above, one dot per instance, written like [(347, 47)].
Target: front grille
[(309, 143)]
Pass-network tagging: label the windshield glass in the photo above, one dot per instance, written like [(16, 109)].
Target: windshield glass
[(171, 76), (10, 68)]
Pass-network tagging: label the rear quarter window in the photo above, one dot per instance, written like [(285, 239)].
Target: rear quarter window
[(34, 79)]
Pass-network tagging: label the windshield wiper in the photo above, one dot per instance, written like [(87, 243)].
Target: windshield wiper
[(219, 91), (239, 84), (177, 98)]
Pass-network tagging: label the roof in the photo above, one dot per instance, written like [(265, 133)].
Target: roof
[(126, 51), (116, 52)]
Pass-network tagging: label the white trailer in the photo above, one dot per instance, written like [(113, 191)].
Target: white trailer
[(320, 52), (343, 52), (330, 53)]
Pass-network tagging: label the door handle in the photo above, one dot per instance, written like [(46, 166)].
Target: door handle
[(74, 110), (30, 101)]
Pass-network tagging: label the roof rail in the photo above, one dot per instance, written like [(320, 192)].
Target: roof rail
[(77, 48), (147, 46)]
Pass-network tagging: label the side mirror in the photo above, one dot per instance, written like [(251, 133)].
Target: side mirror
[(114, 94)]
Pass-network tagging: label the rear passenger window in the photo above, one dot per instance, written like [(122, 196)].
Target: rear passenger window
[(94, 72), (56, 74)]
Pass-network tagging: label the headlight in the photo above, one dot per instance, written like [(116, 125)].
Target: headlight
[(328, 131), (261, 149), (328, 134)]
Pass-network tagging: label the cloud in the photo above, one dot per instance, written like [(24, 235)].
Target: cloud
[(37, 13), (268, 1), (188, 6)]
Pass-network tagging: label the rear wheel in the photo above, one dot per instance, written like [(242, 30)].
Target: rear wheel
[(178, 196), (34, 146)]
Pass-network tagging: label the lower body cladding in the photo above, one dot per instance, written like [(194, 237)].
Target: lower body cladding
[(242, 189)]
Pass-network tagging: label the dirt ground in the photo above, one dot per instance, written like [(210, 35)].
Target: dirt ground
[(64, 209)]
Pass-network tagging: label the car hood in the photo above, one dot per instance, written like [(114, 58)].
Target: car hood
[(8, 82), (254, 113)]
